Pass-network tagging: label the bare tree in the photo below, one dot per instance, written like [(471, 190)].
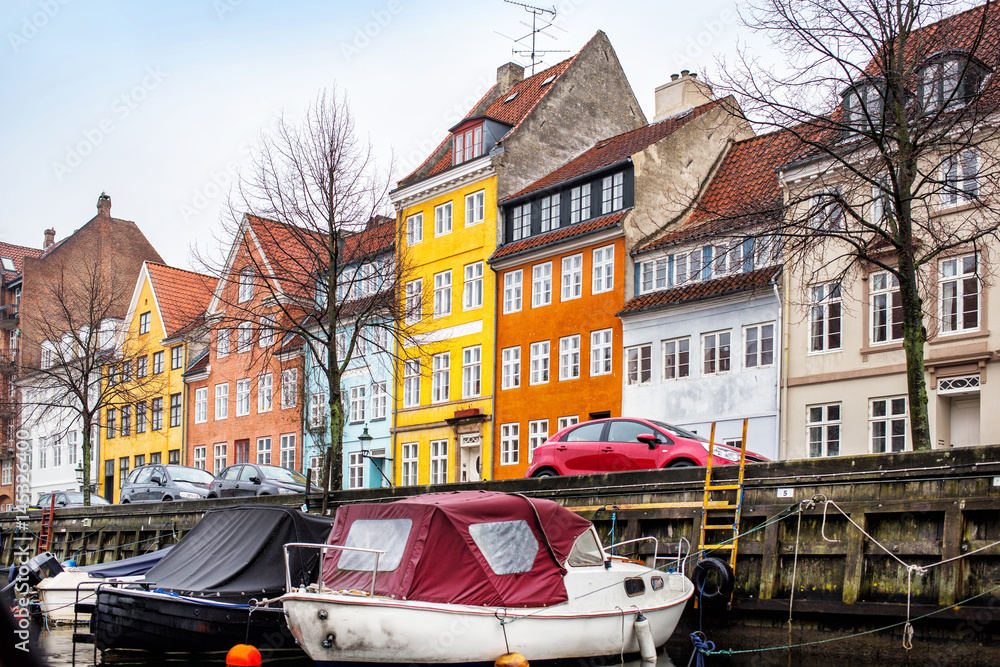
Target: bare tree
[(314, 198), (890, 105), (88, 359)]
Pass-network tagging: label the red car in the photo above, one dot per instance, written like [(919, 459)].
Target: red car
[(609, 445)]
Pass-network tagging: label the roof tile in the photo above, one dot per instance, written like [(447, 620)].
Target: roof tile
[(741, 282), (17, 253), (559, 235), (182, 296)]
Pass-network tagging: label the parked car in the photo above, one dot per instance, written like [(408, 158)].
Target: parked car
[(609, 445), (67, 499), (249, 479), (160, 483)]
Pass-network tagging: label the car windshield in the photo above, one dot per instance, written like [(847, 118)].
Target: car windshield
[(77, 498), (182, 474), (678, 431), (283, 475)]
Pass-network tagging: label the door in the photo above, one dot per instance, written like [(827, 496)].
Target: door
[(580, 449), (229, 481), (472, 458), (621, 449), (109, 480), (245, 487), (964, 421), (140, 483)]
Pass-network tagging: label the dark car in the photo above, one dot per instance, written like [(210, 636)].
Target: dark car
[(67, 499), (250, 479), (609, 445), (162, 483)]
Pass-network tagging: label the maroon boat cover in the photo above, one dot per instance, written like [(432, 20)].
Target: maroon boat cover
[(463, 547)]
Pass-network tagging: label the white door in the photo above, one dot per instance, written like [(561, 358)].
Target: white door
[(472, 458), (964, 421)]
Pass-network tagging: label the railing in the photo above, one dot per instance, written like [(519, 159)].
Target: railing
[(656, 549), (323, 548)]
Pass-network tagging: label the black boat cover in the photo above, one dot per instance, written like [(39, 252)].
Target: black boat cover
[(238, 552), (127, 567)]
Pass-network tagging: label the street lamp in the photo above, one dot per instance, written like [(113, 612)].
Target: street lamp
[(365, 440), (79, 476)]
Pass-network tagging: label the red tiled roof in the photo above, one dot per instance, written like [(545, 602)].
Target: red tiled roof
[(200, 362), (741, 282), (182, 296), (559, 235), (609, 151), (17, 253), (378, 237)]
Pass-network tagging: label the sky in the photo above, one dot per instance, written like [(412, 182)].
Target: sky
[(159, 103)]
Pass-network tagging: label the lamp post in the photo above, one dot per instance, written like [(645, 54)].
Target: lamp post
[(79, 476), (365, 439)]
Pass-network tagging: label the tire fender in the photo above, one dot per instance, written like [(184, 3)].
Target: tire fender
[(702, 573)]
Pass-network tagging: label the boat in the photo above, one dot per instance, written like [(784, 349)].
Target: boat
[(213, 589), (465, 577)]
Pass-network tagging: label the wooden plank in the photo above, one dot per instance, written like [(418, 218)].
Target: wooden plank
[(769, 562), (949, 577), (855, 566)]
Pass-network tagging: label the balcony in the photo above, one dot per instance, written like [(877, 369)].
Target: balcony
[(9, 319)]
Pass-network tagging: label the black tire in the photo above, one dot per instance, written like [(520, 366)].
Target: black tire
[(713, 579), (124, 502), (212, 496), (682, 463), (546, 472), (167, 499)]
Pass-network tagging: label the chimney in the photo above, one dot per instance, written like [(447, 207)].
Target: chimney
[(104, 205), (682, 93), (50, 238), (508, 76)]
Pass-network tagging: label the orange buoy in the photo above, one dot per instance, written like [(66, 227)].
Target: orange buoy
[(243, 655), (511, 660)]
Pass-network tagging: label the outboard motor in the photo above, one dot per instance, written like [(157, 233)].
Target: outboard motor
[(41, 566)]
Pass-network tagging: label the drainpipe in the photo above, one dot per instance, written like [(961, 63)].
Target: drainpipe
[(778, 366)]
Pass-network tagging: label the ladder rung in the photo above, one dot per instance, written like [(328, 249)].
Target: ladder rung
[(722, 527), (722, 487), (719, 546), (721, 506)]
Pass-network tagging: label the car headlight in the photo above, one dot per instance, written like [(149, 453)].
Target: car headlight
[(723, 452), (188, 495), (285, 491)]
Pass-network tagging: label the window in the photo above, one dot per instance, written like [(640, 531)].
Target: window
[(289, 388), (267, 324), (243, 397), (510, 445), (141, 364), (219, 461), (521, 216), (569, 357), (863, 106), (200, 454), (144, 323), (200, 405), (242, 451), (157, 362), (758, 346), (886, 308), (6, 473), (467, 144), (72, 447), (512, 291), (509, 547), (222, 343), (288, 451), (442, 219), (472, 293), (221, 400), (541, 284), (265, 392), (140, 416), (122, 471), (653, 274), (823, 429), (676, 358), (380, 401), (612, 193), (440, 380), (48, 355), (408, 471), (572, 277), (58, 446), (355, 470), (600, 352), (176, 357), (639, 364), (156, 414), (263, 451), (568, 421), (43, 454), (472, 371), (415, 229), (510, 370), (550, 213), (538, 433), (414, 301), (826, 210), (318, 405), (442, 294), (604, 270), (887, 424), (411, 383), (961, 178), (952, 80), (175, 410), (357, 405), (126, 411), (439, 461), (112, 423), (824, 318), (156, 456), (716, 349), (244, 337), (245, 285), (539, 360), (475, 208), (579, 203), (959, 290)]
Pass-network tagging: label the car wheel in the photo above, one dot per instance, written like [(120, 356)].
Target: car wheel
[(546, 472), (167, 499), (263, 494), (124, 501), (682, 463), (212, 496)]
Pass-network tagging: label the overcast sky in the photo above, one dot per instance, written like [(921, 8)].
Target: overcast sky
[(156, 102)]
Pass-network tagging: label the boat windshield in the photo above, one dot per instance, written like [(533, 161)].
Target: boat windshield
[(388, 535), (586, 551)]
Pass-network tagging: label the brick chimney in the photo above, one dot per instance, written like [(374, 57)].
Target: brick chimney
[(508, 76), (50, 238), (682, 93), (104, 205)]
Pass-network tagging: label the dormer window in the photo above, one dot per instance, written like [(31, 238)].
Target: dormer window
[(511, 98), (950, 78), (863, 105), (468, 143), (8, 264)]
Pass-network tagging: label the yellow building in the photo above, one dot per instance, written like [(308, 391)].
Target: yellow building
[(160, 337)]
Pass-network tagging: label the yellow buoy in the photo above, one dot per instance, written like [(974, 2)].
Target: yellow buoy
[(511, 660), (243, 655)]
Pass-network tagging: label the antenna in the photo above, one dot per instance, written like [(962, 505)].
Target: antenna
[(534, 55)]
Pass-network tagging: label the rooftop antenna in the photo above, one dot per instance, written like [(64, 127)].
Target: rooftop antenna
[(538, 14)]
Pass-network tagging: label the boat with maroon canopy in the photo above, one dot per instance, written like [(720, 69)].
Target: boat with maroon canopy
[(464, 577)]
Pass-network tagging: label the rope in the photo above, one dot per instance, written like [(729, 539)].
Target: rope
[(702, 647), (795, 563)]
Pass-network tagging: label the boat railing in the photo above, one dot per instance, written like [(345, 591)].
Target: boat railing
[(323, 549), (656, 549)]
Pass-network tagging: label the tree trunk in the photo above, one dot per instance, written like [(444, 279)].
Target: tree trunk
[(332, 459), (85, 452), (914, 336)]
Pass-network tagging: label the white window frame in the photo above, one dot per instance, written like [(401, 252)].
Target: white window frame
[(674, 350), (612, 193), (571, 283), (442, 219), (358, 402), (568, 421), (541, 285), (289, 388), (439, 462), (754, 337), (220, 455), (538, 433), (472, 371), (221, 401), (243, 397), (601, 351), (200, 407), (653, 275), (472, 290), (539, 355), (826, 307), (414, 301), (442, 294), (265, 392), (409, 462), (512, 291), (510, 367), (380, 401), (222, 343), (475, 208), (717, 350), (889, 419), (510, 444), (411, 383), (639, 364), (819, 431), (960, 178), (245, 287), (355, 470), (244, 337), (414, 229), (267, 325), (441, 377), (287, 451), (955, 281), (264, 450), (885, 307), (550, 212), (200, 457), (603, 270), (579, 203), (569, 357)]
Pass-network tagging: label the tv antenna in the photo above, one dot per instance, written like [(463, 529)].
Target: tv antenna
[(538, 15)]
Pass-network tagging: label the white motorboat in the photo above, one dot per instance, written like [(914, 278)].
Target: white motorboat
[(465, 577)]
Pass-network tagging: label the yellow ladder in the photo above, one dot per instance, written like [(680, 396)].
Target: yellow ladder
[(721, 515)]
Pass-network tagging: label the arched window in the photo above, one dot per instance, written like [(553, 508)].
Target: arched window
[(949, 78)]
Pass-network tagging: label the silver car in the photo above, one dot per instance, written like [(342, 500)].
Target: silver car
[(163, 483)]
